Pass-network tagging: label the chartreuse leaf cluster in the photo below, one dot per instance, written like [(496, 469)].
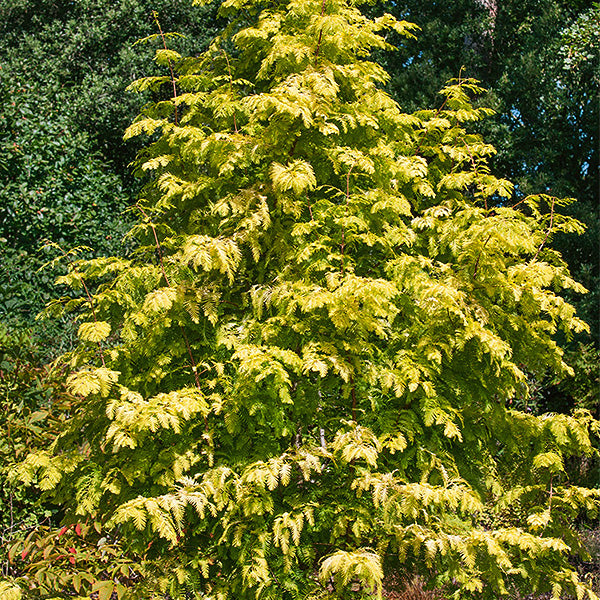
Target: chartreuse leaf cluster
[(299, 384)]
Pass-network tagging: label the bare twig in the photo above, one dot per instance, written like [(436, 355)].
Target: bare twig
[(321, 429), (353, 393), (320, 35), (230, 87), (309, 208), (343, 244), (164, 41), (550, 494), (158, 246), (519, 202), (548, 230), (479, 256)]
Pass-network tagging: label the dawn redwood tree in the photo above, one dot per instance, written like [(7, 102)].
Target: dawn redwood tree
[(301, 381)]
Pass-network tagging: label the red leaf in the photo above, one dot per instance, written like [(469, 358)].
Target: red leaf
[(72, 550), (63, 531), (72, 560), (78, 529), (24, 553)]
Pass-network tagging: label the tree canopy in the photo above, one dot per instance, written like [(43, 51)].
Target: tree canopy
[(70, 62), (300, 381), (539, 61)]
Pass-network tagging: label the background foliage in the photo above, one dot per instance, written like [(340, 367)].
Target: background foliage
[(52, 186), (64, 172)]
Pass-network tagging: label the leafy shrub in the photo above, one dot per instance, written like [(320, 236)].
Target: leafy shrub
[(34, 407), (75, 559)]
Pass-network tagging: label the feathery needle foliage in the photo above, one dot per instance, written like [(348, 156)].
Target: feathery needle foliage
[(300, 381)]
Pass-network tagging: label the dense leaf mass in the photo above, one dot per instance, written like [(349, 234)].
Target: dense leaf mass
[(539, 61), (299, 381)]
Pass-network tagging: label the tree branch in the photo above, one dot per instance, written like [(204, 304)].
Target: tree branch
[(343, 244), (230, 87), (320, 35), (548, 231), (89, 299), (162, 266), (164, 41)]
